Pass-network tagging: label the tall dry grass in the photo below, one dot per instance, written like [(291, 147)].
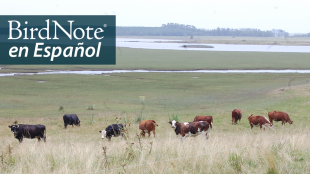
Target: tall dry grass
[(81, 150)]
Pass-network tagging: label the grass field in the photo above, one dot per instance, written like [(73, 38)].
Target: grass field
[(230, 148), (127, 58)]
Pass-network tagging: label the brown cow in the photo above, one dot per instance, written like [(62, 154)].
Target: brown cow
[(147, 125), (279, 116), (190, 129), (208, 119), (260, 121), (236, 115)]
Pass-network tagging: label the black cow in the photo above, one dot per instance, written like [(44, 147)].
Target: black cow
[(113, 130), (28, 131), (71, 119)]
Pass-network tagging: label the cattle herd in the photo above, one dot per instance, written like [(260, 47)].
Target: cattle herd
[(200, 125)]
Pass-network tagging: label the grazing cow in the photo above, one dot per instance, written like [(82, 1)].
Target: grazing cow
[(147, 126), (260, 121), (190, 129), (21, 131), (279, 116), (113, 130), (236, 115), (208, 119), (71, 119)]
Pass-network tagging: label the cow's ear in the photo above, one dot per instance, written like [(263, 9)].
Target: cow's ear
[(17, 126), (10, 126), (100, 131), (177, 122), (170, 122)]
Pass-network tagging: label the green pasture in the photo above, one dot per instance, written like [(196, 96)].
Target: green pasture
[(184, 94), (127, 58), (99, 99)]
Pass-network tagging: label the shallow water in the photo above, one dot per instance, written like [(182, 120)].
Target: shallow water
[(86, 72), (153, 44)]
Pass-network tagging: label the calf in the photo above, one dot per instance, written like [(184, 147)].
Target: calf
[(260, 121), (71, 119), (21, 131), (279, 116), (190, 129), (113, 130), (147, 125), (208, 119), (236, 115)]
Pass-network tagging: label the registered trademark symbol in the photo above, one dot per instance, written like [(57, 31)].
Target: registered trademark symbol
[(105, 25)]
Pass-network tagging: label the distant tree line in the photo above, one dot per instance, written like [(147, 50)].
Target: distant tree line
[(303, 35), (175, 29)]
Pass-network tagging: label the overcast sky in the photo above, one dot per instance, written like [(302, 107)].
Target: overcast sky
[(292, 16)]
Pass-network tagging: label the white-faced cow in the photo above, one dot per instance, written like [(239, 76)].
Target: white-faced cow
[(208, 119), (236, 115), (190, 129), (113, 130), (147, 126), (279, 116), (21, 131), (260, 121), (71, 119)]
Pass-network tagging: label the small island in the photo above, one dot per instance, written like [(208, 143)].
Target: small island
[(197, 46)]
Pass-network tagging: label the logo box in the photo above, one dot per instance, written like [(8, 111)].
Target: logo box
[(61, 40)]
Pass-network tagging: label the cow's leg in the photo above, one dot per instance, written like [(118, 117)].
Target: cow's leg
[(154, 132), (66, 125), (149, 132), (20, 139), (204, 135), (142, 133), (39, 139)]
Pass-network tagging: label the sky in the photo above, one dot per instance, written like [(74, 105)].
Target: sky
[(291, 16)]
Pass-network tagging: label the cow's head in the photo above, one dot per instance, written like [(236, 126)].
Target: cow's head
[(270, 125), (103, 133), (173, 123), (79, 123), (290, 122), (14, 128)]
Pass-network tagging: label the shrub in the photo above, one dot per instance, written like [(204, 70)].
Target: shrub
[(174, 117)]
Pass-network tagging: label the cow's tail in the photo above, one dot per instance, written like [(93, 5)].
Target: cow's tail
[(250, 116), (154, 122)]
